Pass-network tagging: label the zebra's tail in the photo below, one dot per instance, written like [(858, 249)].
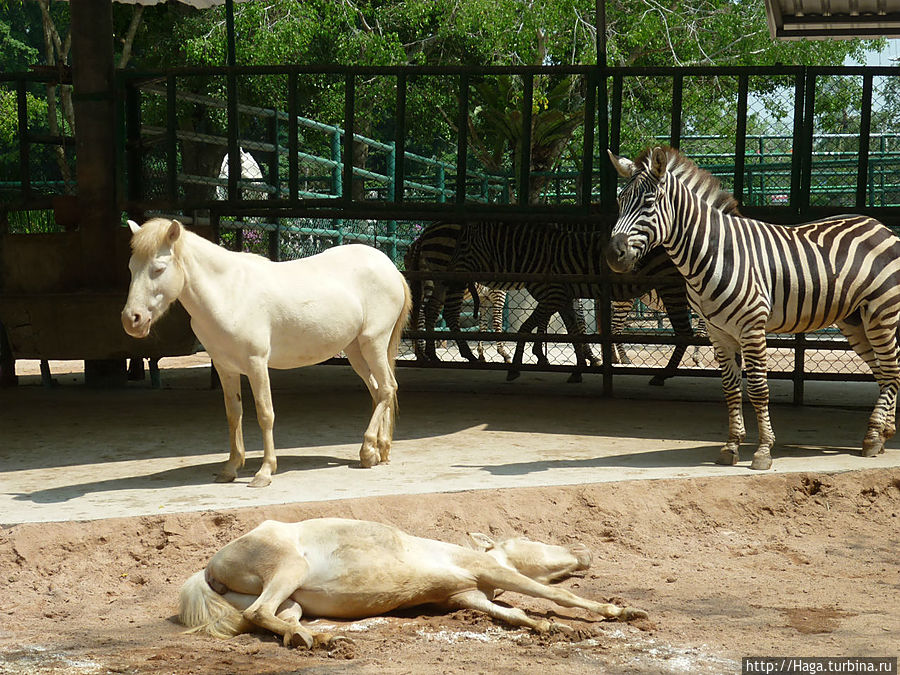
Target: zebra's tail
[(416, 318), (202, 610)]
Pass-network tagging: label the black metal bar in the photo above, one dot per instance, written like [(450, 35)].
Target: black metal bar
[(171, 140), (134, 160), (24, 139), (677, 103), (524, 150), (349, 131), (293, 143), (587, 150), (799, 367), (462, 130), (615, 115), (740, 146), (798, 140), (809, 110), (400, 140), (865, 129)]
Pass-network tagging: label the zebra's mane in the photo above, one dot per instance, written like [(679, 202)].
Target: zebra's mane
[(699, 181)]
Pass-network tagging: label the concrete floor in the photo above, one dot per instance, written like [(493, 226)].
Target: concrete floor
[(71, 453)]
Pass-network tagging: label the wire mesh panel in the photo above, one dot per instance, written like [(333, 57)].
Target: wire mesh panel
[(836, 135), (883, 184), (768, 150)]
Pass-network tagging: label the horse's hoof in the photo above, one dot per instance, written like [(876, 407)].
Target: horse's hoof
[(574, 378), (301, 640), (632, 613), (657, 381), (260, 481), (225, 478), (368, 459), (872, 446), (512, 375)]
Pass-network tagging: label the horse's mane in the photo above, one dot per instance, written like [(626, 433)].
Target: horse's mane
[(146, 242), (699, 181)]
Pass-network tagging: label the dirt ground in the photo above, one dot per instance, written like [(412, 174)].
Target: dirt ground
[(800, 564), (796, 564)]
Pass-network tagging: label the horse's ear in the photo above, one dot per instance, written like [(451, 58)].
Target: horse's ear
[(482, 542), (624, 167), (659, 160), (134, 226), (174, 232)]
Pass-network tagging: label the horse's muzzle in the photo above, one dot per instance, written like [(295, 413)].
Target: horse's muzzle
[(136, 323), (619, 254)]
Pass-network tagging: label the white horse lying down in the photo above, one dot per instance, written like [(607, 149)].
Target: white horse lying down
[(350, 569), (251, 314)]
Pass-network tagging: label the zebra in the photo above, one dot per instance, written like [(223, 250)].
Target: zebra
[(509, 247), (747, 278), (489, 304), (492, 301)]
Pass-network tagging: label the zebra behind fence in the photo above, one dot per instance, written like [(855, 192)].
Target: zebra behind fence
[(507, 247), (748, 278)]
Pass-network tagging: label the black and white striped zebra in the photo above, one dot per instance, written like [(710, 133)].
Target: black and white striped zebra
[(747, 278), (517, 248)]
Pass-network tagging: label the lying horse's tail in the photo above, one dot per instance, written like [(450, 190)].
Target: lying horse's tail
[(202, 610)]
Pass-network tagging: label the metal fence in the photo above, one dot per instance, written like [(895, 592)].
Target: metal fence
[(792, 143)]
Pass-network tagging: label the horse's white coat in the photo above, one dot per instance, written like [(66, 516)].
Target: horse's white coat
[(251, 314), (350, 569)]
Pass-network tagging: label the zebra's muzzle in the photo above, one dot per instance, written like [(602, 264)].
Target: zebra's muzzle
[(620, 255)]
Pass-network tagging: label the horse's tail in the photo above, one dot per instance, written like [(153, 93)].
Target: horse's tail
[(202, 610), (400, 325)]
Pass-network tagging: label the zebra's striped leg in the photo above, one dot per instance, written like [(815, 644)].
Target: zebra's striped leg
[(877, 346), (680, 318), (755, 365), (539, 317), (498, 300), (573, 318), (726, 349), (427, 319), (452, 309), (620, 311)]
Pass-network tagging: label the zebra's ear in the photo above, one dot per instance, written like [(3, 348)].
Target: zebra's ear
[(624, 167), (659, 160)]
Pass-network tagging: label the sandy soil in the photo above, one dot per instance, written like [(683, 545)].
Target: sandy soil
[(798, 564)]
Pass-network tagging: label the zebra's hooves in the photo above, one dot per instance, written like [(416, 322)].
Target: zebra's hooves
[(728, 458), (657, 381), (872, 447), (763, 463)]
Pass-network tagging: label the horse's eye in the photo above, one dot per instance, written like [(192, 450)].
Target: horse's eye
[(156, 270)]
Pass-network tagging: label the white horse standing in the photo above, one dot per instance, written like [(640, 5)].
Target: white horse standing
[(251, 314)]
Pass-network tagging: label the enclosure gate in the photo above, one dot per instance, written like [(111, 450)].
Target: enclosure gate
[(771, 138)]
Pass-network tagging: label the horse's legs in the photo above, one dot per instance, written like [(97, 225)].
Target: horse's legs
[(376, 446), (727, 350), (234, 410), (265, 415)]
